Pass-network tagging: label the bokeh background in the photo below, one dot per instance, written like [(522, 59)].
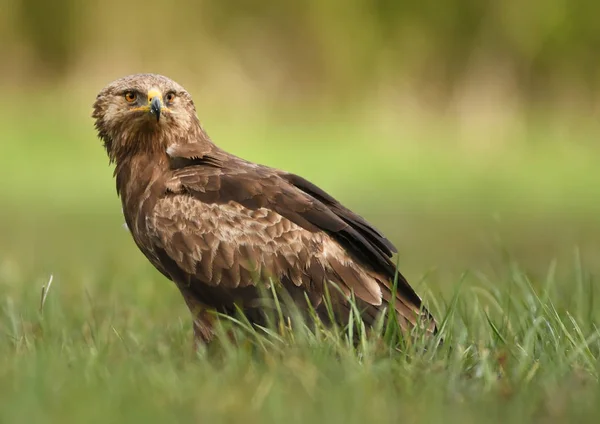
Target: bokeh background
[(465, 130)]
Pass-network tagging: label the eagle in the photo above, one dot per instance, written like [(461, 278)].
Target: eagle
[(224, 229)]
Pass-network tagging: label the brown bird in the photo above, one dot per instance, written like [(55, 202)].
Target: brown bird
[(223, 228)]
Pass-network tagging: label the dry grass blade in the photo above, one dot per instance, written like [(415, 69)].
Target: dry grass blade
[(45, 291)]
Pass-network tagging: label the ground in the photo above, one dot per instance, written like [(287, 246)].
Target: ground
[(502, 245)]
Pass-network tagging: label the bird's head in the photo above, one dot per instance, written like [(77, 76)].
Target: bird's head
[(143, 112)]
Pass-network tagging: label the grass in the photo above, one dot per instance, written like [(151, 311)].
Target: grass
[(511, 352), (503, 247)]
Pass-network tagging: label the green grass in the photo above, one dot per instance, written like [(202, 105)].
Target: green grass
[(513, 350), (502, 246)]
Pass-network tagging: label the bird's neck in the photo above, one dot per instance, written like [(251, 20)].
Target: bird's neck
[(140, 172), (135, 174), (136, 177)]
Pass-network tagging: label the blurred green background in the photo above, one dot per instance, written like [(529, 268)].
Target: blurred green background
[(460, 128), (466, 130)]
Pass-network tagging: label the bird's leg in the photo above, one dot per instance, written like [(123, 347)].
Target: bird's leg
[(203, 318), (203, 326), (204, 321)]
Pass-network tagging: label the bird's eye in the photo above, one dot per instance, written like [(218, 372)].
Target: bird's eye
[(170, 97), (130, 96)]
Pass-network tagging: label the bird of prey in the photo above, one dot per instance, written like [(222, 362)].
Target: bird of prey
[(223, 228)]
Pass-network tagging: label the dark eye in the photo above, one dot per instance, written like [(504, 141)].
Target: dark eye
[(170, 97), (130, 96)]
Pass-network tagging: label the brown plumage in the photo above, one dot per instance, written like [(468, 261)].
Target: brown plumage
[(220, 226)]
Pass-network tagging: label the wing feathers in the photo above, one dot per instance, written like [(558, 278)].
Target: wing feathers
[(364, 287), (238, 223), (347, 215)]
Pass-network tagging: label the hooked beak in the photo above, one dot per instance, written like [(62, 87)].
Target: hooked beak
[(155, 107)]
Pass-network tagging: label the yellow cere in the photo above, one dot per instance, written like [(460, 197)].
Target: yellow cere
[(153, 92)]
